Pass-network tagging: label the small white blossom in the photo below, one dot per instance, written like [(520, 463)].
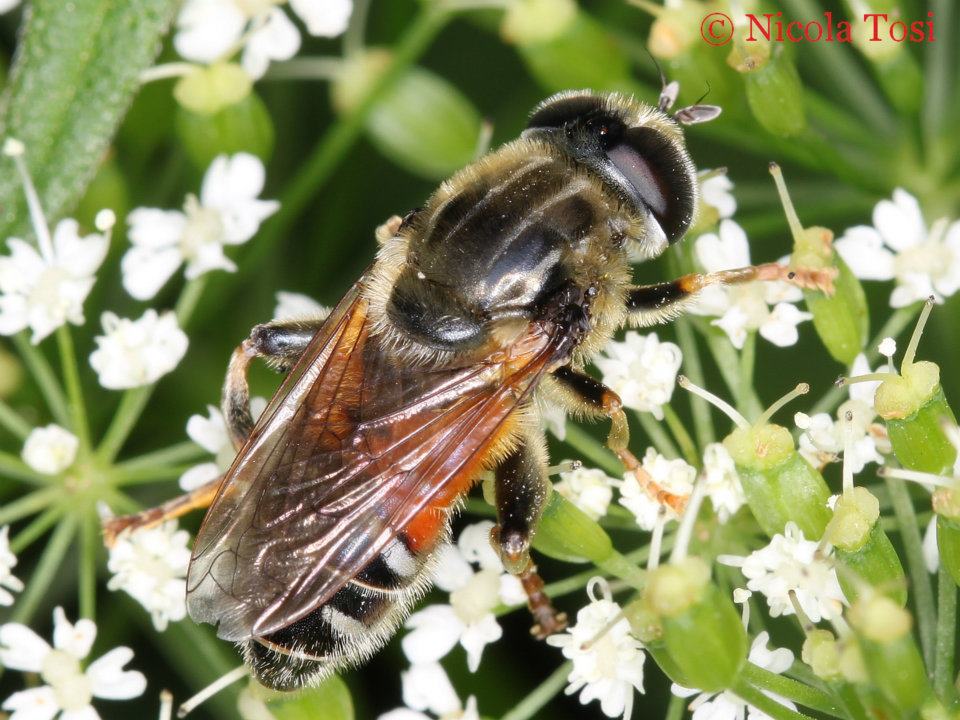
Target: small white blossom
[(210, 30), (721, 482), (50, 450), (150, 565), (43, 290), (68, 689), (132, 353), (589, 489), (294, 306), (8, 581), (607, 661), (468, 618), (426, 687), (211, 434), (715, 191), (900, 247), (746, 307), (726, 705), (853, 431), (791, 563), (642, 371), (228, 212), (674, 476)]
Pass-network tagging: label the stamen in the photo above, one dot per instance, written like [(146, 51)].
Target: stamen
[(15, 149), (741, 596), (564, 467), (167, 70), (796, 228), (726, 408), (603, 631), (869, 377), (801, 389), (483, 139), (166, 705), (686, 524), (911, 352), (847, 449), (656, 538), (210, 690), (804, 619), (916, 476)]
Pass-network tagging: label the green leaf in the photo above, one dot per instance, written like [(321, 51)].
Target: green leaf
[(330, 701), (76, 72)]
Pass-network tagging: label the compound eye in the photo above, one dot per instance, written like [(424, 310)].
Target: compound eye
[(660, 175)]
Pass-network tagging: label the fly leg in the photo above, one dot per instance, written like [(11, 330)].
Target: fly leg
[(587, 396), (658, 303), (281, 343), (521, 489)]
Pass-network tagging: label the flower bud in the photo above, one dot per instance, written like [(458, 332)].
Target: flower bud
[(567, 533), (11, 374), (822, 653), (527, 22), (244, 126), (702, 632), (775, 95), (676, 29), (582, 55), (422, 122), (841, 319), (863, 548), (779, 484), (208, 90), (889, 652)]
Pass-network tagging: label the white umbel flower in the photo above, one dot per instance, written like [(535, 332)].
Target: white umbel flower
[(791, 563), (132, 353), (674, 476), (727, 706), (744, 308), (9, 583), (43, 290), (607, 660), (721, 483), (427, 689), (295, 306), (642, 371), (900, 247), (228, 212), (150, 565), (50, 450), (211, 434), (589, 489), (715, 191), (468, 619), (68, 689)]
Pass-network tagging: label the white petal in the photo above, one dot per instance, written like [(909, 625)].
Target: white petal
[(734, 324), (14, 314), (231, 186), (781, 327), (861, 247), (477, 636), (73, 639), (84, 713), (110, 681), (209, 432), (155, 228), (277, 39), (427, 687), (404, 714), (931, 551), (34, 704), (291, 305), (900, 221), (206, 29), (435, 630), (325, 18), (451, 571), (724, 252), (198, 476), (474, 543), (21, 648), (715, 192), (146, 270), (50, 450), (79, 256)]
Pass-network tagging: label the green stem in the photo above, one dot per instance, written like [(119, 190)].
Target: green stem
[(750, 695), (894, 325), (699, 408), (37, 527), (46, 571), (919, 577), (13, 468), (187, 451), (657, 435), (47, 381), (593, 450), (728, 362), (541, 695), (676, 708), (946, 636), (682, 436), (28, 504), (89, 546), (938, 68), (13, 422), (791, 689), (143, 475), (71, 377)]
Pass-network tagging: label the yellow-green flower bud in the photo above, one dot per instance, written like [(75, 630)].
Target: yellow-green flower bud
[(779, 484), (851, 661), (917, 438), (822, 653), (11, 374), (889, 652), (863, 548), (676, 29), (775, 95), (532, 21), (244, 126), (648, 629), (841, 319), (567, 533), (702, 631), (208, 90)]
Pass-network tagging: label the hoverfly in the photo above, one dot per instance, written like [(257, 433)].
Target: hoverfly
[(498, 290)]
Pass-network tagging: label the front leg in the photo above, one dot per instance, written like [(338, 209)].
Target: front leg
[(521, 490), (658, 303)]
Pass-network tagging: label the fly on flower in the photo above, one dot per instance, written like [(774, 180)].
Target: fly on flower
[(490, 297)]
